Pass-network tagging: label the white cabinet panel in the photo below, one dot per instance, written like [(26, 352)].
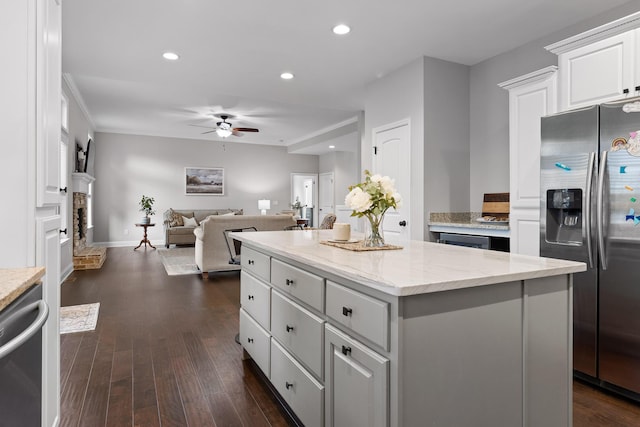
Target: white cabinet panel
[(357, 383), (301, 391), (255, 298), (363, 314), (530, 97), (256, 342), (299, 330), (257, 263), (48, 96), (305, 286), (598, 72)]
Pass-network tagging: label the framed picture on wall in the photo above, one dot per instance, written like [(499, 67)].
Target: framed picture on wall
[(204, 181)]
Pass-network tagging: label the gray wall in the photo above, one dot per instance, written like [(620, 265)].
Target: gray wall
[(394, 97), (446, 128), (434, 95), (489, 120), (128, 166), (346, 172)]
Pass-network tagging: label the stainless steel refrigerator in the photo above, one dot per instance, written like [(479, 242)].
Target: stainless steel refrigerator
[(590, 212)]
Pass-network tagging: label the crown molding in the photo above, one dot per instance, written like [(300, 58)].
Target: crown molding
[(541, 74), (75, 92), (619, 26)]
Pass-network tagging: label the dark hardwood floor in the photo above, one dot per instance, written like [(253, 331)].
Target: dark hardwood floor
[(163, 353)]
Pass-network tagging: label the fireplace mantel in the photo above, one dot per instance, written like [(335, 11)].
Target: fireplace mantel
[(80, 182)]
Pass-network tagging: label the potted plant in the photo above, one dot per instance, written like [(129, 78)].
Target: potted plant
[(146, 206)]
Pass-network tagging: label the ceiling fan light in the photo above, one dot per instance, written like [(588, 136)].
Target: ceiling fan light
[(286, 76), (223, 133)]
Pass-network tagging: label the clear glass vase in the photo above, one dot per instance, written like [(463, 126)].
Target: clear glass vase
[(373, 234)]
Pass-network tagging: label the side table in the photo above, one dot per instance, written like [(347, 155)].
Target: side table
[(144, 240)]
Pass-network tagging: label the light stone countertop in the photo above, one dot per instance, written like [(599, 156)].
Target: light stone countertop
[(420, 267), (16, 281)]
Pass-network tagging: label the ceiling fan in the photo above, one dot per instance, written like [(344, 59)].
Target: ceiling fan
[(225, 129)]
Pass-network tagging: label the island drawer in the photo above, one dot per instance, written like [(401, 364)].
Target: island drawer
[(301, 391), (255, 341), (255, 262), (299, 330), (361, 313), (255, 298), (303, 285)]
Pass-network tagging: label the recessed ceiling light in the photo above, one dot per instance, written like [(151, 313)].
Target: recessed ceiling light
[(286, 76), (170, 56), (341, 29), (332, 146)]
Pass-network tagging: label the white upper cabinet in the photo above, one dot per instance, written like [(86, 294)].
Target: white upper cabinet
[(599, 65), (600, 72)]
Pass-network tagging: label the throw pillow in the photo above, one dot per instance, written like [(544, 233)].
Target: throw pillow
[(175, 219), (189, 222), (228, 214)]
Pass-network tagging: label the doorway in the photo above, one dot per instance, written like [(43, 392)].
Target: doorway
[(304, 188), (326, 190)]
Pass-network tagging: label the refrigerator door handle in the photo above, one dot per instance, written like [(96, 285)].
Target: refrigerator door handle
[(600, 210), (587, 211)]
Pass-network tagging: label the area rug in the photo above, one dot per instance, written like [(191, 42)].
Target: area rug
[(179, 261), (79, 318)]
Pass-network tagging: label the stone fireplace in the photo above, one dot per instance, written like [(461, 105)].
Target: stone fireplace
[(85, 256)]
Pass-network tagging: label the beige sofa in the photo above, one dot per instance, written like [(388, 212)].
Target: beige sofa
[(178, 234), (212, 253)]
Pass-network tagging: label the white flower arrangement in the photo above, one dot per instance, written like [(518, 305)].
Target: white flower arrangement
[(373, 197)]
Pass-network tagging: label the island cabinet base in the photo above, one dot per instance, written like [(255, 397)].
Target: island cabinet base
[(486, 356), (342, 352)]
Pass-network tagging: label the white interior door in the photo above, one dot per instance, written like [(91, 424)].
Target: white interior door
[(325, 199), (392, 157)]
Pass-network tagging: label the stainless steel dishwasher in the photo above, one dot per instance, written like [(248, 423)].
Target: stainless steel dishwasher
[(21, 360)]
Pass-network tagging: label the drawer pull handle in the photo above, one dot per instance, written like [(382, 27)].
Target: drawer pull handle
[(251, 262), (289, 282), (250, 340), (346, 350), (288, 385), (347, 311), (290, 328), (250, 297)]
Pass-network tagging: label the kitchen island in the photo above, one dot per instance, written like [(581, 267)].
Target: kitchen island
[(430, 334)]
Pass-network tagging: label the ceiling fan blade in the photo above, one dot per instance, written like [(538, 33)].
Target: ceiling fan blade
[(210, 131), (246, 129), (201, 126)]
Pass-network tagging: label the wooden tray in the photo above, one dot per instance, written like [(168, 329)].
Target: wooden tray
[(496, 205), (358, 246)]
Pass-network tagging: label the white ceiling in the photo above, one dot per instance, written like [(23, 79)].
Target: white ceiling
[(233, 52)]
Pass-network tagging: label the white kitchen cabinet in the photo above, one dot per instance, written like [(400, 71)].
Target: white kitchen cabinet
[(357, 383), (599, 65), (31, 123), (531, 97), (600, 72)]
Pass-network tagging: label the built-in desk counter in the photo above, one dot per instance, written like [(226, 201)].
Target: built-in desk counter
[(427, 335)]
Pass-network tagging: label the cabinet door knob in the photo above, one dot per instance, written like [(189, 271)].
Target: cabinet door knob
[(637, 88), (63, 190), (290, 328), (250, 262), (625, 91), (63, 230), (347, 311), (288, 385), (402, 223), (289, 282), (346, 350), (250, 297), (250, 340)]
